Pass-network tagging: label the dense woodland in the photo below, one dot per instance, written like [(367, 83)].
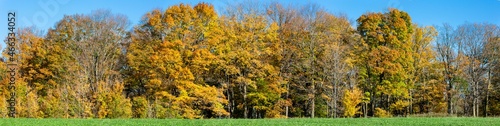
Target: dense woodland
[(254, 61)]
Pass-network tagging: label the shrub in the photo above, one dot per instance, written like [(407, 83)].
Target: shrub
[(382, 113), (139, 107), (351, 100)]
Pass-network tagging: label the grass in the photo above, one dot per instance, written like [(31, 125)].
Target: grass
[(425, 121)]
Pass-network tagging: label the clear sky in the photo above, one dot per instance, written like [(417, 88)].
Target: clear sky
[(45, 13)]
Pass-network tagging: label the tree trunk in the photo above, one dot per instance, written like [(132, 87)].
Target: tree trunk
[(365, 113), (487, 95), (245, 112), (372, 104), (449, 98), (372, 92), (232, 102), (410, 108), (313, 99), (229, 101), (335, 101), (474, 99), (287, 93), (388, 101)]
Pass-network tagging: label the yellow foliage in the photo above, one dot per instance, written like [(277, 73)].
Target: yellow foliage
[(351, 100), (399, 105), (3, 91), (277, 109), (33, 108), (51, 105), (382, 113), (111, 102), (139, 107)]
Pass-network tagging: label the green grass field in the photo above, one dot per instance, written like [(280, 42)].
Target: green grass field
[(451, 121)]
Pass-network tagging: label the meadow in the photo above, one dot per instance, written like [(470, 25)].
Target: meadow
[(451, 121)]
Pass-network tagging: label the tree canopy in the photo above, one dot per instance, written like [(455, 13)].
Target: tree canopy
[(253, 61)]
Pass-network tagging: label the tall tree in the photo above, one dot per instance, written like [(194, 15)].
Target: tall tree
[(93, 43), (166, 53), (250, 64), (473, 39), (426, 77), (336, 33), (493, 89), (3, 89), (284, 17), (384, 57)]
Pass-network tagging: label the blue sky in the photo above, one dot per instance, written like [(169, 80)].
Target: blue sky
[(45, 13)]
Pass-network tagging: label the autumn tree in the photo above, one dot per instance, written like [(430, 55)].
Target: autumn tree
[(26, 95), (384, 57), (351, 100), (3, 89), (305, 43), (493, 90), (93, 43), (253, 60), (333, 60), (426, 76), (250, 64), (52, 68), (168, 56), (473, 39), (447, 55), (38, 76), (282, 16), (313, 46)]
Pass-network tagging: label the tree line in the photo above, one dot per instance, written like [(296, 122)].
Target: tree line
[(254, 61)]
